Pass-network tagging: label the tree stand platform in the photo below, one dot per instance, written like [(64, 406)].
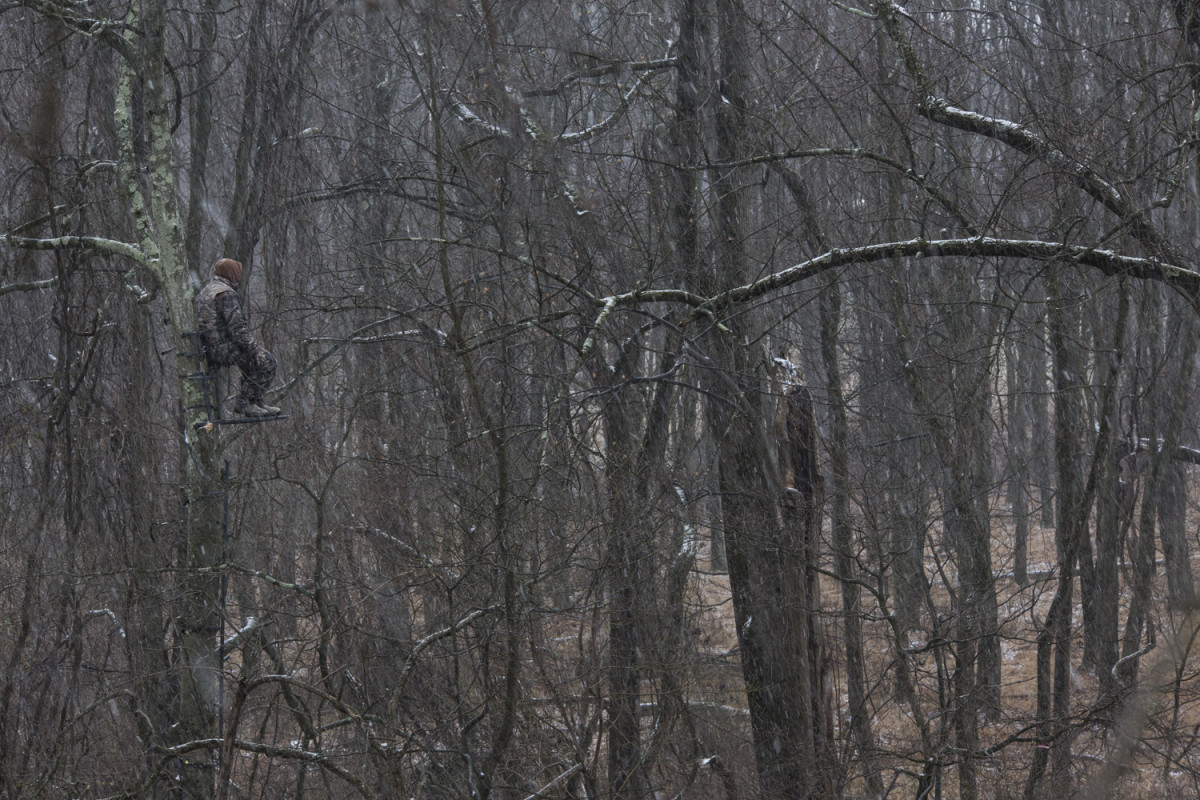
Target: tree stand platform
[(210, 385)]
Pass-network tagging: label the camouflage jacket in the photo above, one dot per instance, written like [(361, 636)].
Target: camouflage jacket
[(222, 322)]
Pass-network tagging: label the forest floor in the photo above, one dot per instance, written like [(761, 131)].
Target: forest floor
[(1166, 764)]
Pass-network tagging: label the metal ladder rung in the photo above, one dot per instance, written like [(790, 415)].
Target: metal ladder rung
[(211, 381), (243, 420)]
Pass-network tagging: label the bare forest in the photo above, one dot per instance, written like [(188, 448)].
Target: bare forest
[(698, 399)]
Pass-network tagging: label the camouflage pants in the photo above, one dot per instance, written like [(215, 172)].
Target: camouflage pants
[(257, 368)]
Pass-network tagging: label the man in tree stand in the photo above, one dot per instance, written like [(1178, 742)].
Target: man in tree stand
[(227, 340)]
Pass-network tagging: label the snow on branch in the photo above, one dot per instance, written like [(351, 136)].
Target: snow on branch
[(590, 341), (106, 612), (564, 776), (600, 71), (233, 642), (95, 244), (471, 119), (1189, 455), (1109, 262), (1020, 138), (1026, 141), (268, 578), (273, 751), (411, 662), (383, 337), (31, 286), (607, 122), (414, 553)]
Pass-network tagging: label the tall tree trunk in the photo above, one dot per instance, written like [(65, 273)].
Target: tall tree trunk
[(773, 584), (148, 173), (1071, 522), (839, 449), (975, 681), (769, 539), (201, 127), (856, 684), (1075, 494), (1018, 449), (1103, 641), (155, 704), (1143, 547), (1172, 496), (628, 558)]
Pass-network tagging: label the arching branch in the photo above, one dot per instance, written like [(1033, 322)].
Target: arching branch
[(1109, 262), (1184, 279)]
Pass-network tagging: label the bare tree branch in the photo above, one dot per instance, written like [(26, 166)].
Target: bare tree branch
[(600, 71), (108, 31), (1022, 139), (295, 754), (1107, 261), (565, 776), (420, 646), (31, 286), (95, 244), (1186, 280)]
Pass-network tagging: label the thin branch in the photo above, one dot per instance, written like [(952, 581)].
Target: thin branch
[(432, 638), (537, 132), (58, 211), (1022, 139), (109, 31), (565, 776), (388, 187), (597, 72), (273, 751), (342, 342), (579, 137)]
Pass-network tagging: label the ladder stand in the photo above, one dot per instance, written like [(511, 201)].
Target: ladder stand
[(210, 386)]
